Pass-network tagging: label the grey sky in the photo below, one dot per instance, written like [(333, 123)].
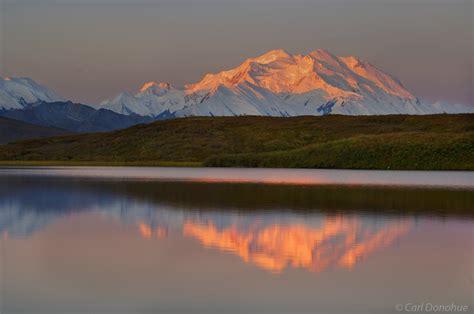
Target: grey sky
[(91, 50)]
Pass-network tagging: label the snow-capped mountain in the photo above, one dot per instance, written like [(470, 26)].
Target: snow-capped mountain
[(273, 84), (25, 100), (153, 99), (17, 93), (280, 84)]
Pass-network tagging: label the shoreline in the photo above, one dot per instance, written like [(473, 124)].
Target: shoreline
[(184, 164), (52, 163), (268, 176)]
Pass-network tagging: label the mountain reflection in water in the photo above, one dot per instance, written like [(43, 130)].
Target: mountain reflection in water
[(339, 241), (272, 227), (85, 245), (272, 240)]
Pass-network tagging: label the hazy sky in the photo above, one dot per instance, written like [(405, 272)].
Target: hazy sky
[(89, 50)]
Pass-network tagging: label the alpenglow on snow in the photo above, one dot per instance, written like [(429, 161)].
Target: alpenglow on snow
[(280, 84), (273, 84)]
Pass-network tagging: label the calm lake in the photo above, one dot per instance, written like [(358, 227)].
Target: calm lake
[(179, 240)]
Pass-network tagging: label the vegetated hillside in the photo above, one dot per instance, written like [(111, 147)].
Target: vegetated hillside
[(12, 130), (365, 142)]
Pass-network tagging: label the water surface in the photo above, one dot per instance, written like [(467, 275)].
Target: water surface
[(463, 179), (148, 240)]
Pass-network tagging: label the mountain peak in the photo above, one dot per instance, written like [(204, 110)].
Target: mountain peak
[(17, 92), (281, 84), (159, 85), (322, 55), (271, 56), (123, 95), (320, 51)]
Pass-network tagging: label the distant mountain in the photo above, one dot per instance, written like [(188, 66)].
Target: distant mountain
[(274, 84), (25, 100), (153, 99), (17, 93), (280, 84), (73, 117), (13, 130)]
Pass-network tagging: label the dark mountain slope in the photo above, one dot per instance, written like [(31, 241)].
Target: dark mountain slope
[(13, 130), (74, 117)]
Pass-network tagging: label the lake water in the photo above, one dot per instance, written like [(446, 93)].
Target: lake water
[(176, 240)]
